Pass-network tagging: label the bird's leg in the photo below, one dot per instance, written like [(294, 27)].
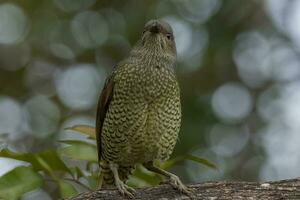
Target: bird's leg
[(122, 187), (173, 179), (100, 180)]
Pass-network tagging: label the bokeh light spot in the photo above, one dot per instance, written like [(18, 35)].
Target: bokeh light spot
[(14, 57), (11, 117), (197, 11), (36, 195), (252, 57), (191, 43), (61, 50), (79, 85), (268, 104), (43, 116), (39, 77), (13, 24), (228, 141), (71, 5), (232, 102), (89, 29)]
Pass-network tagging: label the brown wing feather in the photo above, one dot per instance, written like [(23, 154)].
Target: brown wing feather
[(103, 104)]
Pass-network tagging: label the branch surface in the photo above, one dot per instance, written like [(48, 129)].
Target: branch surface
[(224, 190)]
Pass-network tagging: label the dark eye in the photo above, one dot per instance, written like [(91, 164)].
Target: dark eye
[(169, 36)]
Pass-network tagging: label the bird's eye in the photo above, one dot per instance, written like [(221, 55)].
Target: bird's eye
[(169, 36)]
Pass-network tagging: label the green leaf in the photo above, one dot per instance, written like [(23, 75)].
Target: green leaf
[(19, 181), (169, 163), (44, 160), (67, 190), (202, 161), (84, 129), (77, 173), (93, 182), (53, 160), (79, 150), (142, 177)]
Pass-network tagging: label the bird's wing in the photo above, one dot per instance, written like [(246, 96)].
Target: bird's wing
[(103, 104)]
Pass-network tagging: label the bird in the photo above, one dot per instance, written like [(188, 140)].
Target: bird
[(139, 110)]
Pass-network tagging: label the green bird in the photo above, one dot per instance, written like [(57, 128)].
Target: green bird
[(139, 110)]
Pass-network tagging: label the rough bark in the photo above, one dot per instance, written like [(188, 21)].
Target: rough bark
[(224, 190)]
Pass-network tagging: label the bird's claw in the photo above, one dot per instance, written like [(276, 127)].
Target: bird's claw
[(125, 189), (177, 184)]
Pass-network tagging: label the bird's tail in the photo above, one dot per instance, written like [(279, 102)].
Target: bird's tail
[(106, 178)]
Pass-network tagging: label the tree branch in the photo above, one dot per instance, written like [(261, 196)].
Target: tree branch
[(224, 190)]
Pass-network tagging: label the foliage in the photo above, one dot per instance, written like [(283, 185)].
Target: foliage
[(50, 166), (18, 181)]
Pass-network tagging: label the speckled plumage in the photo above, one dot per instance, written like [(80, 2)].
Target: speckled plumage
[(143, 119), (142, 114)]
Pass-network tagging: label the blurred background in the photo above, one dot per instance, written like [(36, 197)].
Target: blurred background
[(238, 67)]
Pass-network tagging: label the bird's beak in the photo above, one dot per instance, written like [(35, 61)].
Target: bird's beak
[(154, 28)]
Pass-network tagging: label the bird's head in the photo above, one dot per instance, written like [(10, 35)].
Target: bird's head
[(158, 37)]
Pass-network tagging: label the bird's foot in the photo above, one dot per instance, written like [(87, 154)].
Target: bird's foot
[(125, 189), (177, 184), (121, 186)]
